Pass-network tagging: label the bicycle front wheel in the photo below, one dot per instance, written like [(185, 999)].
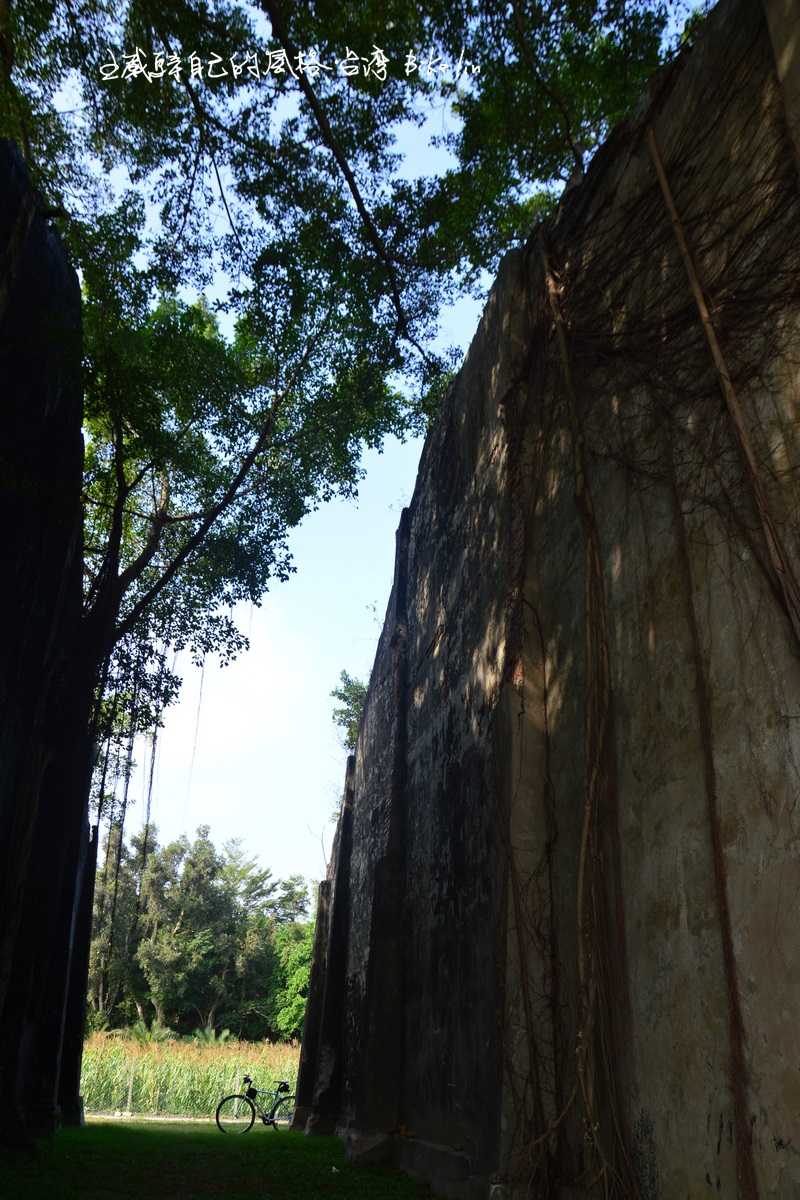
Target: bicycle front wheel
[(235, 1114)]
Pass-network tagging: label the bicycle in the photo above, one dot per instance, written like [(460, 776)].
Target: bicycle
[(237, 1113)]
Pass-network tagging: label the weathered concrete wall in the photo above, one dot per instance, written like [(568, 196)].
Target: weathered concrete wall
[(571, 954), (41, 464)]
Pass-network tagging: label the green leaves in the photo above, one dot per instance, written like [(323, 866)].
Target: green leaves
[(351, 694), (294, 946), (552, 81), (212, 941), (146, 1034)]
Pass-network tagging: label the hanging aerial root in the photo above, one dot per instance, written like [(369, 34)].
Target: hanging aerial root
[(612, 1168), (781, 564), (745, 1167)]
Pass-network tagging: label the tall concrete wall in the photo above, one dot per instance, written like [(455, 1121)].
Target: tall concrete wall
[(41, 562), (567, 953)]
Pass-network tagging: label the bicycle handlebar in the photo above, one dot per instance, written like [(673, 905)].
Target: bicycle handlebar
[(281, 1086)]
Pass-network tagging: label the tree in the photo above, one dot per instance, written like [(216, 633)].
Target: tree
[(179, 531), (314, 186), (351, 694), (256, 969), (252, 886), (294, 948), (196, 940), (541, 83), (290, 906), (554, 77)]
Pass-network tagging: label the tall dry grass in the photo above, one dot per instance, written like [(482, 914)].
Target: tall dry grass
[(181, 1079)]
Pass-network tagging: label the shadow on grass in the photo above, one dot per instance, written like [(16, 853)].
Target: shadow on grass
[(170, 1161)]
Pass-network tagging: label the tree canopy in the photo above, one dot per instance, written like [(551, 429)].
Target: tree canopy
[(198, 939), (292, 181)]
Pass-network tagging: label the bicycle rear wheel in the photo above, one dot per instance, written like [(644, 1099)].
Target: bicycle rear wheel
[(235, 1114), (284, 1112)]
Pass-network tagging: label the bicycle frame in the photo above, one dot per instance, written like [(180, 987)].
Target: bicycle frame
[(278, 1099)]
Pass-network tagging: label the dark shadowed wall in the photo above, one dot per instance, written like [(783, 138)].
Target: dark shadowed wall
[(41, 460)]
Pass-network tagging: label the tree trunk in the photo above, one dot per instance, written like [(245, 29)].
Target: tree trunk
[(69, 1097)]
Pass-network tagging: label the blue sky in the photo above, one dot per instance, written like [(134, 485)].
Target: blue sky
[(268, 764)]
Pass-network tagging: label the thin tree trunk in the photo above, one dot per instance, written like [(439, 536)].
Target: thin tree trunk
[(69, 1097)]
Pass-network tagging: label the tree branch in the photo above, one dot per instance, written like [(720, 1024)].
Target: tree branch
[(272, 9), (548, 90), (111, 561), (203, 142), (187, 206), (134, 570), (227, 498), (107, 574)]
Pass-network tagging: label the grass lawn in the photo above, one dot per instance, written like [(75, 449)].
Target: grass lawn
[(154, 1160)]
